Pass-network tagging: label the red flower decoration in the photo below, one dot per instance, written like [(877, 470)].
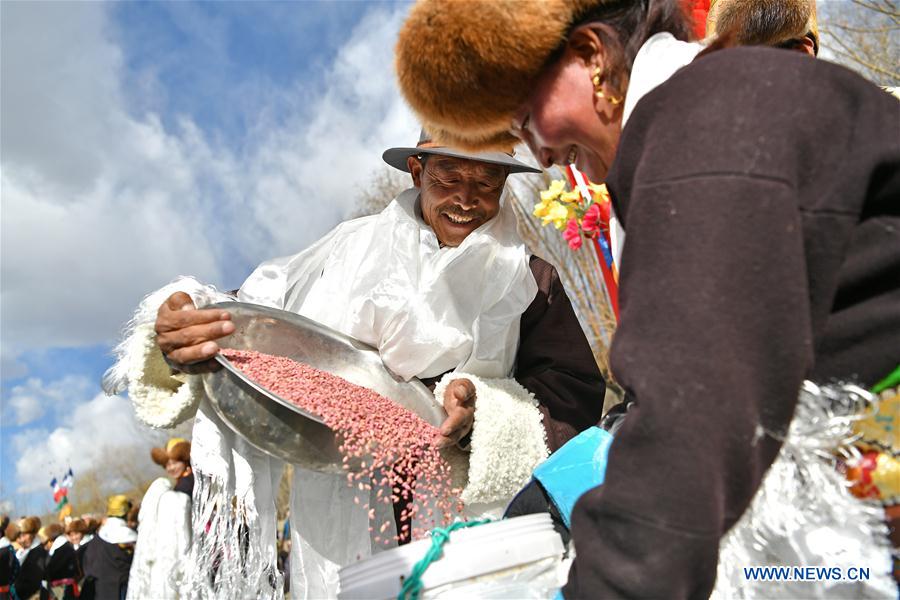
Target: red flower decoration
[(572, 234), (590, 223)]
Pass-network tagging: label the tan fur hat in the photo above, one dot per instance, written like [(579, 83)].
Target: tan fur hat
[(76, 526), (50, 532), (466, 66), (176, 449), (764, 22), (29, 525), (91, 522)]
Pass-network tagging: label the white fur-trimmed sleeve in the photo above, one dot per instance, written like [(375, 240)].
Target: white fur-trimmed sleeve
[(160, 399), (508, 438)]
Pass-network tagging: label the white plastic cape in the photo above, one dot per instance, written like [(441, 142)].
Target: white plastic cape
[(386, 281), (22, 553), (57, 544), (163, 543)]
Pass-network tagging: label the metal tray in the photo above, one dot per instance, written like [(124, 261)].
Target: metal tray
[(279, 427)]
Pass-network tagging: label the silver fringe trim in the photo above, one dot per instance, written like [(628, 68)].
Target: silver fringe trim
[(227, 560), (804, 515)]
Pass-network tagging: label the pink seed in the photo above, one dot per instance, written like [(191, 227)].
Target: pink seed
[(393, 447)]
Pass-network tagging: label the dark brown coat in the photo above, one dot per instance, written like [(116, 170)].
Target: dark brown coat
[(760, 192)]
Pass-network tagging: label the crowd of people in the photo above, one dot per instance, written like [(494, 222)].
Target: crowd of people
[(90, 557), (44, 560)]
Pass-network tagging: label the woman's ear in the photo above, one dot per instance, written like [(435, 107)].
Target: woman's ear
[(587, 46)]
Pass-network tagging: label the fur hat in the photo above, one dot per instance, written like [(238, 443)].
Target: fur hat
[(176, 449), (76, 526), (91, 523), (465, 67), (118, 506), (50, 532), (764, 22), (29, 525)]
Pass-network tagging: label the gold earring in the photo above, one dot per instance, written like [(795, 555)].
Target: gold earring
[(597, 80)]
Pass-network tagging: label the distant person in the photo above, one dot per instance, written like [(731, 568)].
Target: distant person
[(164, 532), (32, 558), (108, 557), (62, 571), (75, 532), (80, 532), (91, 524), (9, 564), (175, 458), (4, 523)]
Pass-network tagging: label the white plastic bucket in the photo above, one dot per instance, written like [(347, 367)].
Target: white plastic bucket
[(514, 558)]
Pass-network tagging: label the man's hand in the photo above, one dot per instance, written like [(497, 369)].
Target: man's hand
[(185, 334), (459, 402)]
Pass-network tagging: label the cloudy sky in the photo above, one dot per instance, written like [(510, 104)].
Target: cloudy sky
[(141, 141)]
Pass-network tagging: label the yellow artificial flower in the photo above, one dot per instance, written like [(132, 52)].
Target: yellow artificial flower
[(571, 197), (541, 208), (557, 187), (599, 192), (558, 215)]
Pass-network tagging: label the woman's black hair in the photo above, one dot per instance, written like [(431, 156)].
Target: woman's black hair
[(623, 26)]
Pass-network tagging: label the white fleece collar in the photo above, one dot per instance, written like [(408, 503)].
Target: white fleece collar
[(57, 544), (116, 531), (22, 553)]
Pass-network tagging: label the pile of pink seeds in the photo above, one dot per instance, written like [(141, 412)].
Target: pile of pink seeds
[(395, 449)]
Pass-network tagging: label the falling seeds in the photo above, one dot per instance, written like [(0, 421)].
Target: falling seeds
[(393, 447)]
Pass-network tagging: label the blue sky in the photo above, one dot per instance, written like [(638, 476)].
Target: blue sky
[(145, 140)]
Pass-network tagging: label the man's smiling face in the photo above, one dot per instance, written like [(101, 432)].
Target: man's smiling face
[(457, 195)]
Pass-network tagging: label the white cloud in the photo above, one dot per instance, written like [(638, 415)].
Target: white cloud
[(101, 205), (33, 398), (318, 162), (97, 204), (93, 433), (10, 366)]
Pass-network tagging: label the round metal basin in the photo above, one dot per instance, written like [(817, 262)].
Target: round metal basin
[(279, 427)]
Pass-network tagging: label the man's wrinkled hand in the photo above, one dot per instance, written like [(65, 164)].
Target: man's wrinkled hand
[(459, 402), (186, 335)]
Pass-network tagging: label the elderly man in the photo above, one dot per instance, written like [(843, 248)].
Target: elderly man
[(442, 285)]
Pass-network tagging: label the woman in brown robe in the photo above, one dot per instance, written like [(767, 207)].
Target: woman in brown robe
[(758, 189)]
